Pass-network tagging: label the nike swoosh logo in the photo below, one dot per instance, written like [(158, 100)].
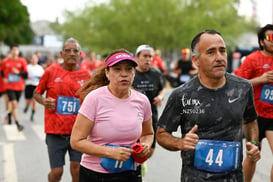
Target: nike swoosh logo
[(232, 100)]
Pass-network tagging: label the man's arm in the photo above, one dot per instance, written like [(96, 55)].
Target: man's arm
[(251, 133), (172, 143), (48, 102), (264, 78)]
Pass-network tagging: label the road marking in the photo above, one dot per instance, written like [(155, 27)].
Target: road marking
[(10, 174), (13, 134), (39, 130)]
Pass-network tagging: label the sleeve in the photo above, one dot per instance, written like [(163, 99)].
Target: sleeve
[(171, 115), (245, 70), (88, 107), (250, 113), (24, 71), (161, 64), (42, 86)]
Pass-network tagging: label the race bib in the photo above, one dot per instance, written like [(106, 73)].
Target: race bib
[(67, 105), (35, 79), (115, 166), (217, 156), (267, 94), (184, 78), (13, 78)]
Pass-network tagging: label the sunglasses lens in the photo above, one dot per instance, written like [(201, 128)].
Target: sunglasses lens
[(269, 37)]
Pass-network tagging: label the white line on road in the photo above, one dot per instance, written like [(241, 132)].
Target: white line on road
[(13, 134), (10, 174), (39, 130)]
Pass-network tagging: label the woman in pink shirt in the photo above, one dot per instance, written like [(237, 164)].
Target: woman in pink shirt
[(112, 119)]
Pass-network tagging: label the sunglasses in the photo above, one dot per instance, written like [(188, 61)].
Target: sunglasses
[(67, 51), (269, 37)]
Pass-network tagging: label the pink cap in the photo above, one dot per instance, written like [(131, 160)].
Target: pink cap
[(118, 57)]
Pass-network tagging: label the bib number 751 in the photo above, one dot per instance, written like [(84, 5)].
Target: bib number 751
[(67, 105)]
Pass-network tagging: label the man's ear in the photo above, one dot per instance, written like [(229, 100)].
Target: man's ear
[(195, 60), (262, 43)]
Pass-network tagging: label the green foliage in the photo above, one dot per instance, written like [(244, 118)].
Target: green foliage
[(14, 23), (168, 25)]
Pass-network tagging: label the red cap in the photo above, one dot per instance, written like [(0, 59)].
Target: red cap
[(185, 51)]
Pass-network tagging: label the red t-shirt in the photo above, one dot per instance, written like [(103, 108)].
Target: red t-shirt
[(16, 82), (158, 62), (2, 83), (91, 66), (253, 66), (57, 82)]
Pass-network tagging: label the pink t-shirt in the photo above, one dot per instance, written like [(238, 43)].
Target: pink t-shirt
[(116, 121)]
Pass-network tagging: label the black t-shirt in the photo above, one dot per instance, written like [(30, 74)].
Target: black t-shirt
[(185, 66), (218, 113), (149, 83)]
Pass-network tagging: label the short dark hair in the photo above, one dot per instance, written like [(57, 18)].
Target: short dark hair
[(261, 33), (196, 39), (13, 45)]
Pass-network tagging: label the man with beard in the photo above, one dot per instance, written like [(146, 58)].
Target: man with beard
[(258, 69)]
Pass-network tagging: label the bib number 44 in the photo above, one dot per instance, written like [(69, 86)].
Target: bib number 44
[(217, 156), (218, 160)]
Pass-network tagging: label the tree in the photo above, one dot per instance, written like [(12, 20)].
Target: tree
[(14, 23), (168, 25)]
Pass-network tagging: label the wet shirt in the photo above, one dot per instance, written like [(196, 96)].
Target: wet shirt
[(61, 85), (255, 65), (219, 114), (150, 84), (15, 81)]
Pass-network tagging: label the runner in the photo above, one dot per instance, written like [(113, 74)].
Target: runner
[(213, 109), (14, 71), (60, 82), (35, 71), (258, 68), (112, 118)]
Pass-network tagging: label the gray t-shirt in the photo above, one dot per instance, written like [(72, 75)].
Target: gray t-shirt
[(219, 114)]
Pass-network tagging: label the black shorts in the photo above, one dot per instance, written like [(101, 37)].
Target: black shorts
[(57, 146), (264, 125), (87, 175), (190, 174), (29, 91), (2, 93), (14, 95)]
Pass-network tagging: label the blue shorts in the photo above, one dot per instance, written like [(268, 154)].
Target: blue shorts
[(57, 146)]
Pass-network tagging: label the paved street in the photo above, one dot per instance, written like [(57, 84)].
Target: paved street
[(23, 156)]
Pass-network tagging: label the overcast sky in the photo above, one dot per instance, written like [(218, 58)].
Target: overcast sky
[(51, 9)]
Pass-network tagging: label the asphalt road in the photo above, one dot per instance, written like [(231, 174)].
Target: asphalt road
[(23, 155)]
